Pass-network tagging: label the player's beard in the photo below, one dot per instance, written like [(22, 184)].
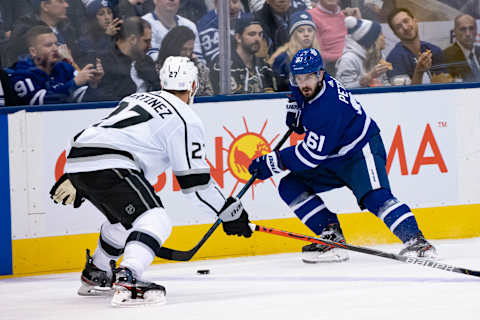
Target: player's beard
[(309, 94)]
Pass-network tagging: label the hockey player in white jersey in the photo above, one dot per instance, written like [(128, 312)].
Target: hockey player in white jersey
[(114, 163)]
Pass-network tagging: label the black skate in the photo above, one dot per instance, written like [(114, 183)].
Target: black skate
[(419, 247), (95, 282), (129, 291), (315, 253)]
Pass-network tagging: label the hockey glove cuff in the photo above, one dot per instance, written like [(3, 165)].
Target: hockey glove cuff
[(267, 165), (65, 193), (235, 218), (294, 116)]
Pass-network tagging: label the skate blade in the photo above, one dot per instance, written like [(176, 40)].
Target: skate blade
[(122, 298), (332, 256), (93, 291)]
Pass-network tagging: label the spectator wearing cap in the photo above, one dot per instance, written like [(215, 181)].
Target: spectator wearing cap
[(302, 35), (102, 27), (51, 13), (163, 18), (133, 8), (275, 19), (361, 63), (208, 29), (249, 73), (331, 30), (411, 58)]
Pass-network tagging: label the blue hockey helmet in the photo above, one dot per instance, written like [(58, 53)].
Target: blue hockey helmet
[(305, 61)]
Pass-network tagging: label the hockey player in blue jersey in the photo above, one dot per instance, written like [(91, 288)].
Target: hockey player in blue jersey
[(342, 147)]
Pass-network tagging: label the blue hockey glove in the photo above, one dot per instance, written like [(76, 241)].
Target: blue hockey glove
[(235, 218), (294, 116), (266, 165)]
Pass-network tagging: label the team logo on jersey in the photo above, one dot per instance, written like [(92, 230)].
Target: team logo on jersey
[(130, 209)]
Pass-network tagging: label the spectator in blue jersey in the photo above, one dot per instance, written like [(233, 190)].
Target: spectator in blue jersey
[(362, 64), (163, 18), (248, 73), (133, 8), (42, 78), (51, 13), (101, 29), (179, 42), (128, 69), (275, 19), (411, 58), (208, 29), (342, 147), (303, 34)]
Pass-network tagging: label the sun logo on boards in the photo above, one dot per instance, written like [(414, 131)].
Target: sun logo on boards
[(243, 149)]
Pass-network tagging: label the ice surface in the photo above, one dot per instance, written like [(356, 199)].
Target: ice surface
[(272, 287)]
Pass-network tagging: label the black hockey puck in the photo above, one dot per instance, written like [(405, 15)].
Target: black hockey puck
[(203, 271)]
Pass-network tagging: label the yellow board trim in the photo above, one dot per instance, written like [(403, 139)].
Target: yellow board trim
[(67, 253)]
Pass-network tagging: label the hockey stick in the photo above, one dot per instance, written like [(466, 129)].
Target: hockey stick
[(177, 255), (378, 253)]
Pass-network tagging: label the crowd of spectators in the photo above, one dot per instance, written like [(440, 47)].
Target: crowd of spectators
[(58, 51)]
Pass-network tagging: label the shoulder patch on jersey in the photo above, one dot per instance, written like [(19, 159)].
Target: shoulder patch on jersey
[(331, 83)]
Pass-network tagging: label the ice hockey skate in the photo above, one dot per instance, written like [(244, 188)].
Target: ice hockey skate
[(318, 253), (130, 292), (419, 247), (95, 282)]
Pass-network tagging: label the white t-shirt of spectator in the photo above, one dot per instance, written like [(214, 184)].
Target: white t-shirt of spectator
[(159, 31)]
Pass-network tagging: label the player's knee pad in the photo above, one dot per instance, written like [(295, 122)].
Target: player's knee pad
[(394, 213), (112, 239), (151, 229)]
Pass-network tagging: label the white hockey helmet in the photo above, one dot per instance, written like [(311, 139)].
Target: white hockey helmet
[(179, 74)]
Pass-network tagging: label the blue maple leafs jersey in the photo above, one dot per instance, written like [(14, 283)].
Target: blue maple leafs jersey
[(336, 126), (34, 87)]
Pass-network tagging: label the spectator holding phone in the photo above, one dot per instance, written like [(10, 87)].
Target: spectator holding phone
[(102, 27)]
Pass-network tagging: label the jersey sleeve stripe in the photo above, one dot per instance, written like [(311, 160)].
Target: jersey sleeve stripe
[(193, 180), (85, 152), (302, 158)]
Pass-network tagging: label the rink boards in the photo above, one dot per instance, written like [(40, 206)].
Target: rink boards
[(432, 138)]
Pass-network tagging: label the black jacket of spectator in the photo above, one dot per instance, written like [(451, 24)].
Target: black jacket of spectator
[(125, 9), (117, 81), (193, 10), (17, 44), (77, 16), (258, 80), (273, 30), (14, 9)]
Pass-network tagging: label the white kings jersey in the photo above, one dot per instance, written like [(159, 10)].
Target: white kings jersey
[(149, 132)]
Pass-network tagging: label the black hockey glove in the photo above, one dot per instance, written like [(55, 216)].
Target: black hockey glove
[(235, 218), (65, 193), (294, 116)]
